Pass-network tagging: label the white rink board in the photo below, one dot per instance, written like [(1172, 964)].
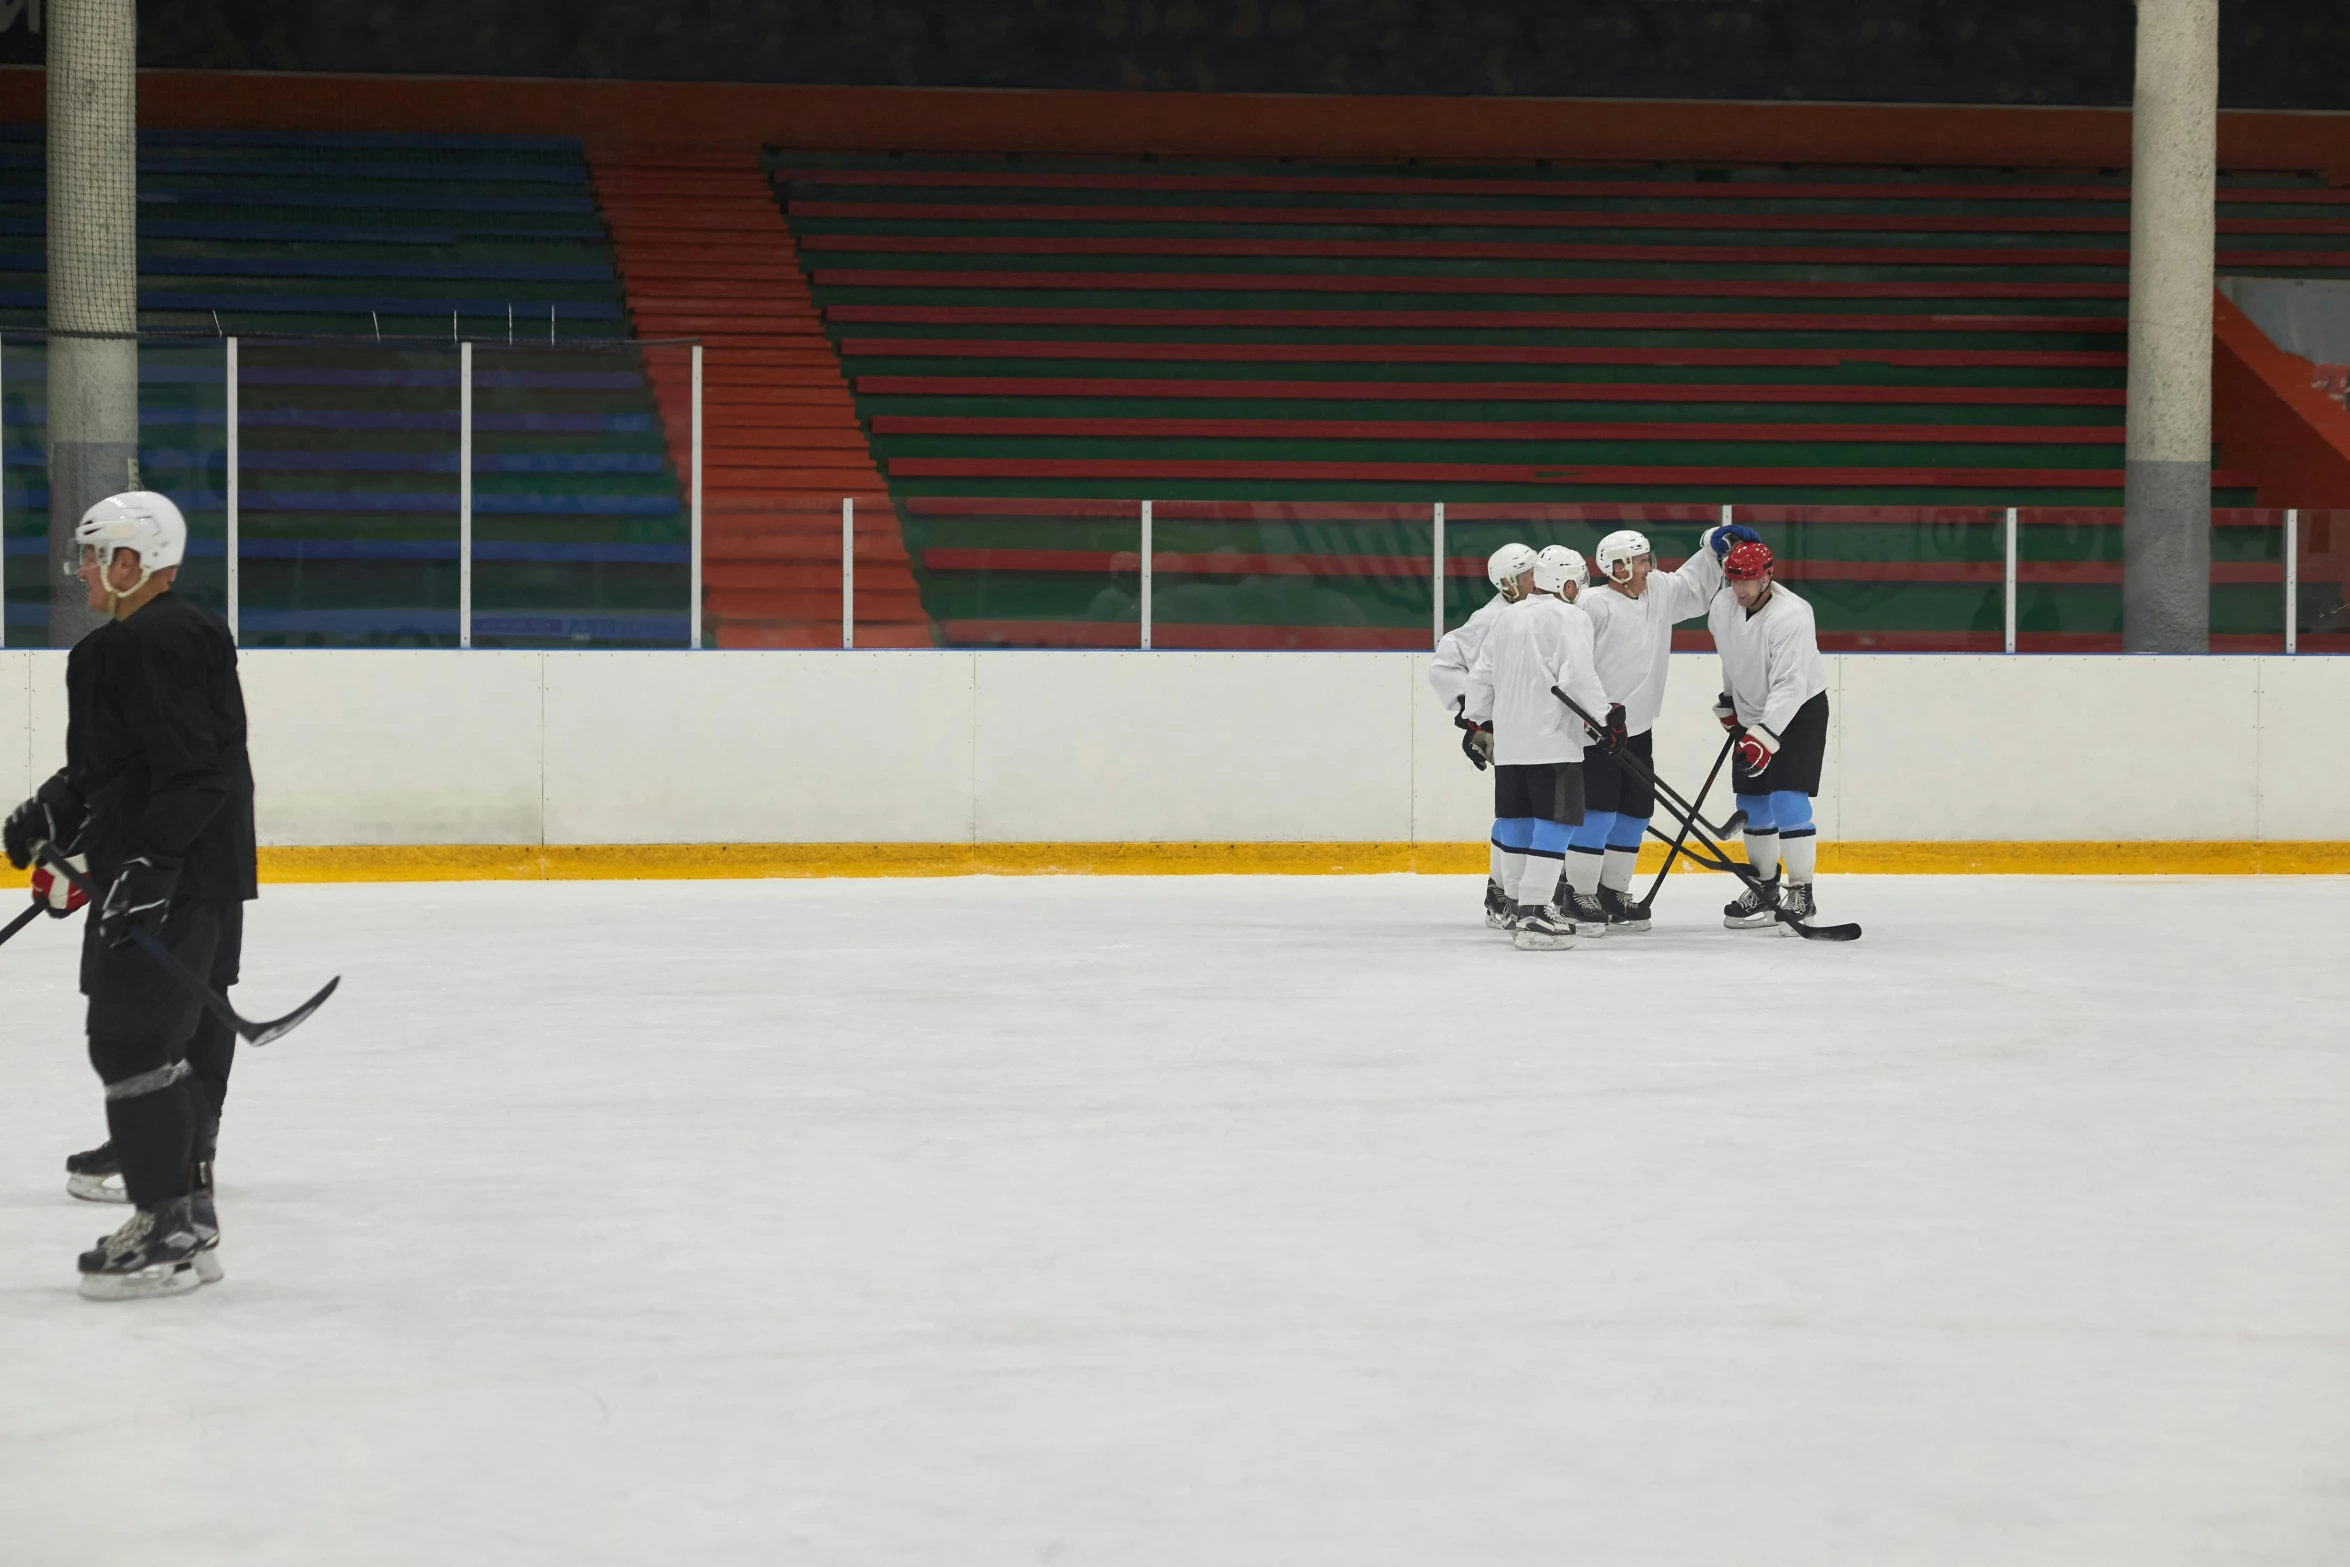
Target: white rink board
[(16, 723), (393, 747), (1180, 747), (757, 748), (491, 747)]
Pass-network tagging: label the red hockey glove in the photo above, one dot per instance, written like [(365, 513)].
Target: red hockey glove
[(1755, 749), (1726, 711), (54, 893)]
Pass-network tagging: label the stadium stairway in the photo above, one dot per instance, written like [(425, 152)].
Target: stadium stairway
[(704, 253), (348, 265), (1294, 362)]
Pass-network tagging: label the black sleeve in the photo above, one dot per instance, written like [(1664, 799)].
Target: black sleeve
[(169, 708)]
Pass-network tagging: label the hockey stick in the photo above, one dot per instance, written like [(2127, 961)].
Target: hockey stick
[(1744, 873), (190, 980), (22, 920), (1674, 852), (1730, 826)]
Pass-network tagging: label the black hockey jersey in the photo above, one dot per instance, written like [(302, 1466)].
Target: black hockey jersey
[(155, 748)]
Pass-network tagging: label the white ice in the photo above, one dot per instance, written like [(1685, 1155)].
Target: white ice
[(1219, 1221)]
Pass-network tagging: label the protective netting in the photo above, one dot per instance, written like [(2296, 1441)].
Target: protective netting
[(93, 275), (93, 166)]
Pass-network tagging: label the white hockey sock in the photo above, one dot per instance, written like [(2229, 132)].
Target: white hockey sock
[(1801, 855), (1513, 871), (1583, 872), (1762, 853), (1616, 868), (1497, 863)]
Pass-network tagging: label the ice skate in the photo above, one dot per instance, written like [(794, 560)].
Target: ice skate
[(206, 1220), (1542, 930), (94, 1176), (1755, 909), (1497, 906), (1797, 901), (153, 1254), (1586, 911), (1622, 912)]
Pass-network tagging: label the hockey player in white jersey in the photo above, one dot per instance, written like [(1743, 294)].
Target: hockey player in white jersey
[(1633, 609), (1536, 644), (1776, 703), (1511, 571)]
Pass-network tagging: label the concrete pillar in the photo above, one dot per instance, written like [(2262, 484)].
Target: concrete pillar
[(93, 275), (2174, 140)]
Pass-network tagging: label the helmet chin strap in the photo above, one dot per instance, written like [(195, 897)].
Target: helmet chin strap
[(115, 595)]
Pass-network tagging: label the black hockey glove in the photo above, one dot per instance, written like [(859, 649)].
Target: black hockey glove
[(1613, 741), (140, 898), (1476, 739), (52, 816)]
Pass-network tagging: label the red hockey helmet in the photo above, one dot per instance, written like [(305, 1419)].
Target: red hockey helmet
[(1749, 561)]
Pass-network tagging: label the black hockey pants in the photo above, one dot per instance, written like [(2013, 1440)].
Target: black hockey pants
[(142, 1026)]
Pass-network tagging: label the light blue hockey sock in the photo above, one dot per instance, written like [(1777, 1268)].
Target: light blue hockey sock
[(1623, 851), (1762, 834), (1798, 839), (1513, 836), (1550, 847), (1593, 834)]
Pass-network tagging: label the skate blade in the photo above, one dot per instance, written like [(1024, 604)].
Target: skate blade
[(146, 1284), (1533, 941), (94, 1188), (1588, 929), (1629, 927), (1766, 927), (1497, 922)]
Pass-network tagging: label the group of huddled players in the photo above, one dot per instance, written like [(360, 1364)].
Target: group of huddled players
[(1572, 799)]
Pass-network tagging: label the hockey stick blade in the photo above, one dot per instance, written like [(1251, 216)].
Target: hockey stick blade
[(1690, 819), (217, 1004), (22, 920)]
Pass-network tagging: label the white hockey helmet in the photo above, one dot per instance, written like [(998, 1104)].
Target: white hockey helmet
[(141, 521), (1506, 565), (1556, 568), (1618, 549)]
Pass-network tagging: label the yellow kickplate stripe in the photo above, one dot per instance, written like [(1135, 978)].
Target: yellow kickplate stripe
[(686, 861)]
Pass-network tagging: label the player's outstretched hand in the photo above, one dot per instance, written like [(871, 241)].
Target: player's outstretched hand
[(1727, 537), (140, 898), (57, 895)]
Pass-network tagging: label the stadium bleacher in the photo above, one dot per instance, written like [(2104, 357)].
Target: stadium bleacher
[(348, 504), (1879, 360)]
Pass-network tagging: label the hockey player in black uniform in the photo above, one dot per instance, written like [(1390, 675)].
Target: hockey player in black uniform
[(157, 794)]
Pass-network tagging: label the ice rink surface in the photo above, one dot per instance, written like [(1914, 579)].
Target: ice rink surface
[(1219, 1220)]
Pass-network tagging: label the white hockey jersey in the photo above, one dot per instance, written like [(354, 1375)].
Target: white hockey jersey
[(1536, 643), (1771, 662), (1635, 635), (1457, 650)]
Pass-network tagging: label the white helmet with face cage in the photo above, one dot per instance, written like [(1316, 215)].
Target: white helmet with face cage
[(141, 521)]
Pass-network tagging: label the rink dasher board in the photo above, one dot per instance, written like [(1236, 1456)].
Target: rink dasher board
[(411, 764)]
